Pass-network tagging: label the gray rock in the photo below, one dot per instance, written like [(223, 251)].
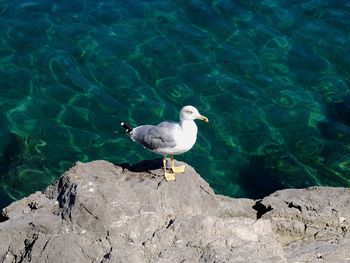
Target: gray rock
[(100, 212), (311, 224)]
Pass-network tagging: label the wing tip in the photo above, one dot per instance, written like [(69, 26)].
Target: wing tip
[(126, 126)]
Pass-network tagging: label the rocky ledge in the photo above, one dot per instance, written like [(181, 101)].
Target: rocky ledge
[(101, 212)]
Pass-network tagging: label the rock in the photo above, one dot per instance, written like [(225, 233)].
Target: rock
[(311, 223), (100, 212)]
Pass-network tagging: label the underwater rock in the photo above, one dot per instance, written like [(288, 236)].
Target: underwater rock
[(340, 111), (19, 153), (101, 212)]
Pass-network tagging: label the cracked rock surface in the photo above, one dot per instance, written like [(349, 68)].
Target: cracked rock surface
[(101, 212)]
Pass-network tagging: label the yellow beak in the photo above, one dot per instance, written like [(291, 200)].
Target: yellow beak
[(203, 118)]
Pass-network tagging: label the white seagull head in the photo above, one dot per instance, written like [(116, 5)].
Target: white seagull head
[(191, 113)]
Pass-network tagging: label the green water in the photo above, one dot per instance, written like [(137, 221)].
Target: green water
[(272, 77)]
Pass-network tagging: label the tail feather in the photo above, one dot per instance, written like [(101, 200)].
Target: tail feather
[(126, 126)]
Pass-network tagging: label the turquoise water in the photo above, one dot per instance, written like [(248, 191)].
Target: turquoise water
[(272, 77)]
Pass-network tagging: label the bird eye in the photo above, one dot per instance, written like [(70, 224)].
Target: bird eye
[(190, 112)]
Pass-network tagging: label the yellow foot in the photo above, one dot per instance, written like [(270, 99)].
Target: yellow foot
[(178, 169), (169, 176)]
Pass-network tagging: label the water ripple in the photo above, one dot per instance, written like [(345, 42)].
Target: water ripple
[(272, 76)]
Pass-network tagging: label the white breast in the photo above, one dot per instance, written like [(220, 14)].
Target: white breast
[(186, 136)]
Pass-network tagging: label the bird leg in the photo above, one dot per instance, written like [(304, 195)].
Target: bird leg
[(168, 176), (178, 169)]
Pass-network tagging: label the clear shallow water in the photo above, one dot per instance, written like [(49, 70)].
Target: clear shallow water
[(272, 76)]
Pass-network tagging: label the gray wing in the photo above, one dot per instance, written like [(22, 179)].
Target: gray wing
[(156, 137)]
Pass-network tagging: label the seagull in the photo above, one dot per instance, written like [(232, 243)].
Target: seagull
[(168, 138)]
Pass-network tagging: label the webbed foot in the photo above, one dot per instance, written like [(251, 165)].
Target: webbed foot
[(170, 176), (178, 169)]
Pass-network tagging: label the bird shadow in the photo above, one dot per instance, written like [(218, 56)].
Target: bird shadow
[(143, 166)]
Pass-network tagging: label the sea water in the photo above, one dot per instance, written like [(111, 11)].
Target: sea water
[(272, 76)]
